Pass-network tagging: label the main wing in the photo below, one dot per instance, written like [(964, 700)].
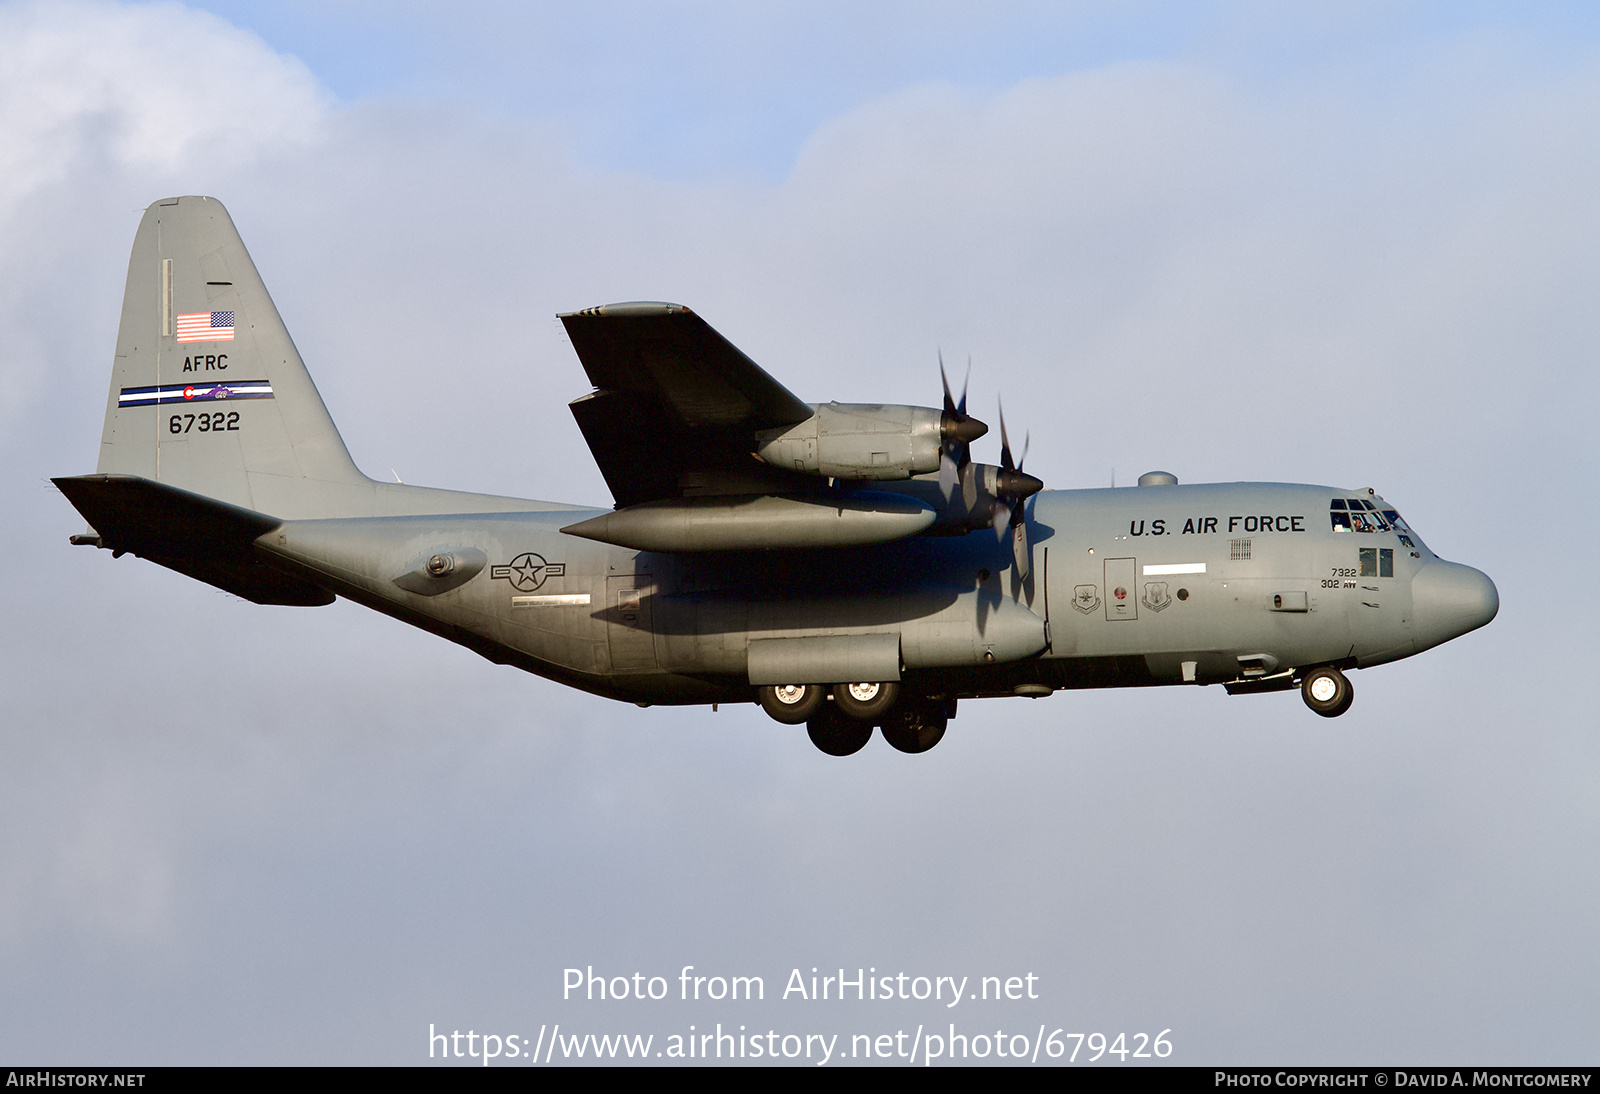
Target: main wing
[(676, 406)]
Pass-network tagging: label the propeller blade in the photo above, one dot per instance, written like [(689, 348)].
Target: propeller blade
[(957, 432), (1002, 518), (1005, 442), (969, 484), (1013, 487)]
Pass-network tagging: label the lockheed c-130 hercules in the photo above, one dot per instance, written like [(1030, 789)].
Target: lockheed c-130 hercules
[(847, 566)]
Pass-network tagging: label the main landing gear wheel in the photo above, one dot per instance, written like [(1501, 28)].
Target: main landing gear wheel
[(792, 704), (868, 702), (1327, 691), (915, 727), (836, 734)]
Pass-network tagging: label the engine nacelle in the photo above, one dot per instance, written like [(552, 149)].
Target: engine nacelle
[(990, 486), (858, 441)]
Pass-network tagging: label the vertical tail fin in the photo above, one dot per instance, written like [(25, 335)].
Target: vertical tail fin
[(208, 393)]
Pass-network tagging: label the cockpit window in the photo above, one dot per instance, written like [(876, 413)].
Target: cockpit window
[(1377, 561), (1360, 515)]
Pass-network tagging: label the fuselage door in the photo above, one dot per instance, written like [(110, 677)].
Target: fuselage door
[(628, 630)]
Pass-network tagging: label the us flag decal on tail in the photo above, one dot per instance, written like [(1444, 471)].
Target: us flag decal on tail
[(206, 326)]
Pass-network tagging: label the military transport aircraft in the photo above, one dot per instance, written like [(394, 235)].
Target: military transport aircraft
[(844, 565)]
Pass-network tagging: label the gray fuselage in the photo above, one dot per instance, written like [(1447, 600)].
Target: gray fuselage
[(1228, 583)]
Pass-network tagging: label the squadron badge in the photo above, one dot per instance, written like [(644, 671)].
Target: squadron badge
[(1156, 596)]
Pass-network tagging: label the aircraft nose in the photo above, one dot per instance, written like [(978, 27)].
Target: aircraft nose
[(1448, 600)]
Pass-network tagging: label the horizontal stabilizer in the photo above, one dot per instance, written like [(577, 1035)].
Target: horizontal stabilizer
[(199, 537)]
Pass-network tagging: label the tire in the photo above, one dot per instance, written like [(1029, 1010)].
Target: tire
[(1349, 697), (1327, 691), (915, 727), (792, 704), (865, 701), (836, 734)]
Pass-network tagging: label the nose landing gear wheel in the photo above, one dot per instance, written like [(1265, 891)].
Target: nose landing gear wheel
[(915, 727), (1327, 691), (868, 701), (791, 704), (836, 734)]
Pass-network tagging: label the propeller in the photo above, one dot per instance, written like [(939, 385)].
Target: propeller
[(957, 431), (1012, 488)]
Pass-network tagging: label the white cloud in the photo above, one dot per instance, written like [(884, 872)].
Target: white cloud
[(152, 89), (103, 109)]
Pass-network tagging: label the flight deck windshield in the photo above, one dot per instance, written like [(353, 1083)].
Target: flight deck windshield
[(1361, 515)]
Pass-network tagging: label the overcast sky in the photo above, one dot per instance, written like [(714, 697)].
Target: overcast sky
[(1353, 244)]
